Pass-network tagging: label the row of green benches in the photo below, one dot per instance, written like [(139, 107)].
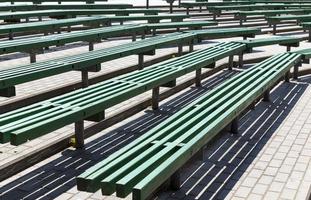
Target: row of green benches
[(158, 156), (35, 120), (274, 21), (15, 16), (242, 15), (27, 7), (59, 1), (89, 22), (91, 60), (36, 45), (89, 103), (217, 10)]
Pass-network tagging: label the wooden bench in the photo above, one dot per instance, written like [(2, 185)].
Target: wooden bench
[(242, 15), (90, 103), (297, 18), (156, 157), (89, 61), (36, 44)]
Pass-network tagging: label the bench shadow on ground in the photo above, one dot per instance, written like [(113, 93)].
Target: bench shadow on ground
[(226, 158)]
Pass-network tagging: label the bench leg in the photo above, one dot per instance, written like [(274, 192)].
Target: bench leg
[(11, 36), (274, 29), (230, 62), (240, 60), (154, 32), (79, 134), (310, 35), (68, 29), (287, 76), (175, 182), (198, 79), (180, 49), (8, 92), (40, 18), (140, 61), (155, 98), (27, 19), (235, 126), (191, 46), (134, 37), (214, 16), (296, 71), (288, 48), (91, 46), (121, 22), (33, 57), (266, 96), (241, 22), (143, 35), (85, 78)]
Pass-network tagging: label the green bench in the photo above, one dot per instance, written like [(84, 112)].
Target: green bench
[(282, 1), (89, 103), (158, 156), (59, 1), (189, 5), (282, 41), (9, 16), (194, 25), (297, 18), (217, 10), (226, 32), (242, 15), (37, 44), (27, 7), (149, 18), (50, 26), (89, 61), (90, 22)]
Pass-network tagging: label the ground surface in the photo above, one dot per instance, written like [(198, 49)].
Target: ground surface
[(269, 159)]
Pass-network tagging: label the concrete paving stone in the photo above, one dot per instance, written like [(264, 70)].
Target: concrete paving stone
[(281, 177), (249, 182), (243, 192), (286, 168), (260, 189), (288, 194), (267, 180), (254, 197), (275, 163), (300, 167), (271, 171), (255, 173), (276, 186), (271, 195)]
